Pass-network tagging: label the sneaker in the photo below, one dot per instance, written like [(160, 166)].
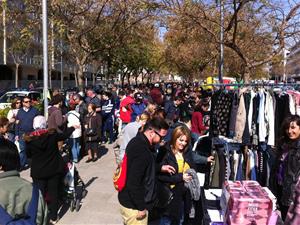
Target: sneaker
[(52, 222)]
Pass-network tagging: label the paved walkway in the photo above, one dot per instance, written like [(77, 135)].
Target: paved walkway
[(100, 206)]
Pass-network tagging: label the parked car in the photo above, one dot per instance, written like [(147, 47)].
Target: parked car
[(7, 98)]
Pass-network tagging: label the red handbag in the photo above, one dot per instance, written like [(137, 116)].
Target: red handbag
[(120, 174)]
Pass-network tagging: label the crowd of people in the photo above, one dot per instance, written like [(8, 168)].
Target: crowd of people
[(154, 125)]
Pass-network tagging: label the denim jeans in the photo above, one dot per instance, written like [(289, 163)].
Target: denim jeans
[(165, 220), (23, 157), (74, 144)]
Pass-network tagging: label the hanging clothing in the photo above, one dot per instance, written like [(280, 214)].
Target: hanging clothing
[(270, 119), (241, 118), (261, 120)]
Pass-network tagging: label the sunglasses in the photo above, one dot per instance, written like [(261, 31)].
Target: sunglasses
[(161, 137), (18, 102), (27, 101)]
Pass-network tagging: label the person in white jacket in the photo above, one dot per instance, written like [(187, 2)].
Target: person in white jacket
[(73, 118)]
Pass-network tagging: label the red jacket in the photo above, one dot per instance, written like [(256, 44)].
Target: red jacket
[(197, 123), (125, 109)]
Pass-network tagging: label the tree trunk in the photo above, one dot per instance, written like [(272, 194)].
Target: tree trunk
[(136, 80), (80, 75), (128, 78), (50, 78), (109, 62), (94, 79), (122, 79), (76, 78), (17, 75), (246, 75)]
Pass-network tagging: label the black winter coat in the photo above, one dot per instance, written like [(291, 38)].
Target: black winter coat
[(140, 189), (46, 158), (180, 192)]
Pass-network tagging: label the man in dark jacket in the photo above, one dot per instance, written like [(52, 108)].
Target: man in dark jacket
[(81, 107), (172, 109), (138, 195)]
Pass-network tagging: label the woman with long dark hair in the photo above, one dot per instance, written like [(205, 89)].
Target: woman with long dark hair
[(11, 116), (198, 125), (287, 166)]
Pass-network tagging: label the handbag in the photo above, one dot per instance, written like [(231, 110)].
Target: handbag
[(164, 195), (90, 132)]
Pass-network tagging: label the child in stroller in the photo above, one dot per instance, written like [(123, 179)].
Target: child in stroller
[(74, 186)]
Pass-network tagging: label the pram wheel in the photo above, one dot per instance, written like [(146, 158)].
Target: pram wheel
[(84, 193), (72, 205), (77, 206)]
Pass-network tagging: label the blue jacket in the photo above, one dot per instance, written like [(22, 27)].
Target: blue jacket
[(25, 120), (138, 109), (172, 112)]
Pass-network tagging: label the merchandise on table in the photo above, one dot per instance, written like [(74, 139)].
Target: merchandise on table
[(245, 202)]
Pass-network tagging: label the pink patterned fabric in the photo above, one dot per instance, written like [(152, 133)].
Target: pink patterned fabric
[(247, 203), (293, 215)]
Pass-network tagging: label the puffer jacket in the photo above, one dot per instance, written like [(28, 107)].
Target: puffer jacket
[(15, 195)]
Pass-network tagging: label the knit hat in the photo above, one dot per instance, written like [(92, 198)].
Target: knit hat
[(39, 122)]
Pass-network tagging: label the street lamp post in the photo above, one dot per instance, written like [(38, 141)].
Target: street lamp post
[(221, 66), (45, 56), (4, 31), (61, 66)]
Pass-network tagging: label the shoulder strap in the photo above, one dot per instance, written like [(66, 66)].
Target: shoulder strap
[(69, 113), (5, 218), (33, 205)]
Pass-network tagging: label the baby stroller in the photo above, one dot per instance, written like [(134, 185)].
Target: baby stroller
[(74, 186)]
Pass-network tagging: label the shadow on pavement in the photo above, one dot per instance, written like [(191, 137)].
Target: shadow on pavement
[(90, 182), (102, 150)]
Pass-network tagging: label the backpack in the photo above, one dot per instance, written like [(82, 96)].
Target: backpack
[(29, 218), (119, 178)]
